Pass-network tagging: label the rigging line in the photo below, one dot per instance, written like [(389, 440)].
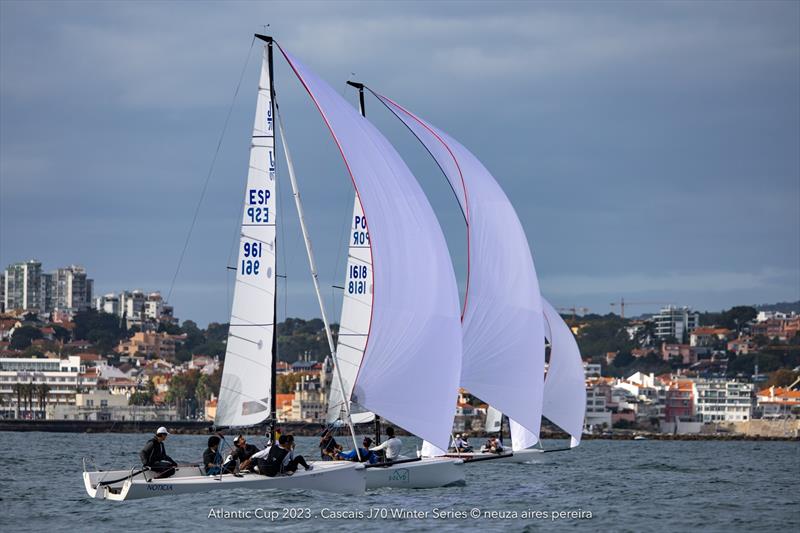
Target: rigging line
[(210, 170)]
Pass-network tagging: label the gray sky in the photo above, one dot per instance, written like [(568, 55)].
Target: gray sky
[(650, 149)]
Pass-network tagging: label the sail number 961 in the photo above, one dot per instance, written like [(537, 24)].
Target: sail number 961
[(251, 266)]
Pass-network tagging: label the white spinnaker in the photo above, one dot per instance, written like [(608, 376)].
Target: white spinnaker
[(564, 386), (503, 359), (354, 323), (244, 397), (412, 361)]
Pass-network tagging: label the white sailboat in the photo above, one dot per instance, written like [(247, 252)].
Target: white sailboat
[(247, 396), (403, 363), (354, 327), (503, 364), (564, 394)]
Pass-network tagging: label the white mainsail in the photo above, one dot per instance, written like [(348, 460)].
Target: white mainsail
[(564, 386), (503, 358), (494, 420), (354, 323), (412, 360), (247, 386)]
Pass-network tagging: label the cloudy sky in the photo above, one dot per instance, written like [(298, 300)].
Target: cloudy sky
[(650, 149)]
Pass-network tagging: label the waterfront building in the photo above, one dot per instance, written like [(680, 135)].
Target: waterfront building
[(723, 401), (778, 402), (598, 396), (106, 406), (51, 381), (675, 322), (679, 400), (310, 400), (22, 286)]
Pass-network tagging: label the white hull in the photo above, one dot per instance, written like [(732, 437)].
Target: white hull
[(343, 478), (521, 456), (423, 474)]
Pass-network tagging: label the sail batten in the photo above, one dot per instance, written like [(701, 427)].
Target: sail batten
[(503, 331), (412, 355), (247, 387)]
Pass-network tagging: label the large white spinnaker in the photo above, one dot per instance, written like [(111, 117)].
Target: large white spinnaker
[(246, 388), (503, 359), (354, 322), (412, 360), (564, 386)]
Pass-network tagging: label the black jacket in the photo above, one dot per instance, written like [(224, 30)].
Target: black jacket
[(243, 454), (154, 452), (273, 464)]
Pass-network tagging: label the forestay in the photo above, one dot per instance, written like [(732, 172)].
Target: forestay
[(412, 360), (564, 386), (246, 387), (354, 323), (503, 360)]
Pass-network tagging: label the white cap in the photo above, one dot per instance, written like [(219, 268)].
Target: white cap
[(162, 430)]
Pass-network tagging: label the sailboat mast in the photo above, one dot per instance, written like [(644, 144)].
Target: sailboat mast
[(274, 359), (273, 404), (313, 266), (363, 110)]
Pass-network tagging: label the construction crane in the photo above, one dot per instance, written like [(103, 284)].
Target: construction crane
[(622, 303), (575, 310)]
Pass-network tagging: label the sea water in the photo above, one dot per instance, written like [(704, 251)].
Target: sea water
[(601, 485)]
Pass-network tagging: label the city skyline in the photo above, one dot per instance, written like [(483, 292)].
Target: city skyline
[(650, 151)]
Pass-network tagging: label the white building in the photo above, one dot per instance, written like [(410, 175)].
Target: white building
[(23, 287), (70, 289), (723, 401), (597, 413), (103, 405), (675, 322), (64, 378)]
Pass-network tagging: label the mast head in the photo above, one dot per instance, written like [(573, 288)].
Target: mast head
[(266, 38), (359, 86)]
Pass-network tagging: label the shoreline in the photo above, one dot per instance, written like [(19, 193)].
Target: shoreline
[(192, 427)]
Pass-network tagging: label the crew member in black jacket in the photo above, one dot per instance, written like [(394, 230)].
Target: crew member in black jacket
[(155, 457)]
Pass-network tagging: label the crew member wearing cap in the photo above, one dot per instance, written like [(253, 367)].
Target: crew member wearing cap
[(242, 454), (155, 457)]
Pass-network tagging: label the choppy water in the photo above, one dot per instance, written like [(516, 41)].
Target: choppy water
[(625, 485)]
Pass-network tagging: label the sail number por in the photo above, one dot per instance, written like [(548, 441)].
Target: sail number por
[(360, 233)]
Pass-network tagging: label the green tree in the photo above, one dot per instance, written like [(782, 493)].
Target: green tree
[(287, 382), (736, 317), (23, 336), (93, 320)]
